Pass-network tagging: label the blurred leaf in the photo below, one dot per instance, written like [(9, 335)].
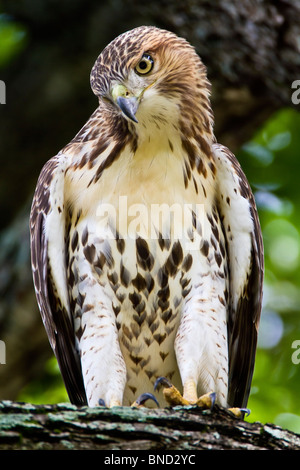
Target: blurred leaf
[(279, 141), (262, 154), (13, 39)]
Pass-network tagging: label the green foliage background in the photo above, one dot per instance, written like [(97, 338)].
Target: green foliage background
[(271, 162)]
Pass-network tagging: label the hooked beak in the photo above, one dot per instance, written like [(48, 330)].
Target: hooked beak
[(128, 104)]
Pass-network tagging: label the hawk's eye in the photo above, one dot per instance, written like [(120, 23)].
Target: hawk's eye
[(145, 65)]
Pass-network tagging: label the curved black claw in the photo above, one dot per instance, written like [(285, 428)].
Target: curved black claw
[(246, 411), (239, 413), (101, 402), (143, 398), (162, 381), (213, 397)]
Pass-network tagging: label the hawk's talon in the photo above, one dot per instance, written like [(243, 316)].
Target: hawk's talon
[(239, 412), (207, 401), (139, 402), (162, 381)]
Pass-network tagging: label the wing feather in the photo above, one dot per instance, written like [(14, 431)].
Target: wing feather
[(246, 264), (49, 275)]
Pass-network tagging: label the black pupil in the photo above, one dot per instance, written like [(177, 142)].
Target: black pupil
[(143, 65)]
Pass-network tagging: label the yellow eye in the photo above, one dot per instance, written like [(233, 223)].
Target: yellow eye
[(145, 65)]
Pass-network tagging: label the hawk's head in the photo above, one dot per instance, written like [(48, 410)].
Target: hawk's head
[(148, 74)]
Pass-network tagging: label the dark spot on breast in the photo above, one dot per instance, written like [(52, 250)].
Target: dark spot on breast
[(139, 282), (187, 262), (135, 298), (120, 297), (113, 278), (140, 309), (163, 355), (120, 244), (124, 275), (202, 170), (89, 252), (80, 332), (159, 338), (144, 257), (80, 299), (136, 330), (108, 254), (218, 259), (185, 292), (164, 293), (177, 253), (212, 167), (149, 282), (176, 301), (212, 241), (148, 341), (222, 249), (116, 309), (164, 243), (195, 185), (133, 389), (185, 179), (87, 308), (162, 278), (85, 236), (205, 248), (166, 315), (74, 242), (100, 262), (135, 359), (127, 333), (215, 231)]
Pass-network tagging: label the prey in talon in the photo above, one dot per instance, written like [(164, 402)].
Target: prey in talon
[(146, 247)]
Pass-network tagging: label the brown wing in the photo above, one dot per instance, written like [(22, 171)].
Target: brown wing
[(246, 273), (55, 311)]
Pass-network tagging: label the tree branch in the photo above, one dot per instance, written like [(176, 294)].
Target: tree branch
[(66, 427)]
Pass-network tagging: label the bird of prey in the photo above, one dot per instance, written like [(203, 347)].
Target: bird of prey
[(146, 246)]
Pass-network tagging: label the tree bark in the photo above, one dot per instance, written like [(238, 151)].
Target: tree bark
[(66, 427)]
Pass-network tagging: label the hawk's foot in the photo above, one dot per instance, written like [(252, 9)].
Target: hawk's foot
[(174, 398), (239, 413)]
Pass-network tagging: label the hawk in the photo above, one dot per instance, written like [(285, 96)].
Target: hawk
[(146, 247)]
